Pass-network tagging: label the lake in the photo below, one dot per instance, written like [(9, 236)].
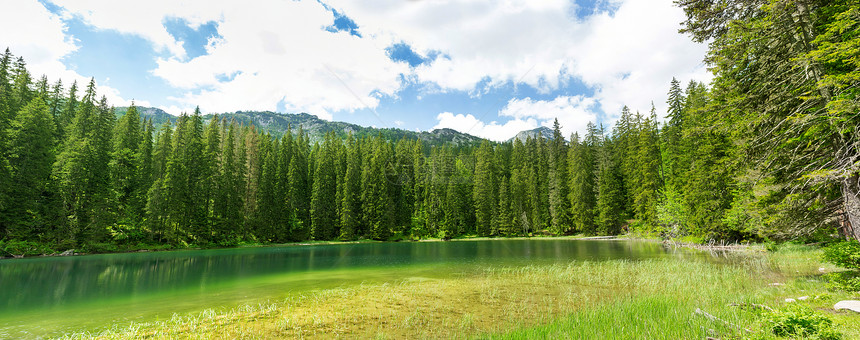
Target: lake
[(55, 295)]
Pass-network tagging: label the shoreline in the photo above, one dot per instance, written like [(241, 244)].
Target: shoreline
[(72, 252)]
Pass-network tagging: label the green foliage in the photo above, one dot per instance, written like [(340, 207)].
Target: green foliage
[(848, 281), (845, 254), (23, 248), (798, 321)]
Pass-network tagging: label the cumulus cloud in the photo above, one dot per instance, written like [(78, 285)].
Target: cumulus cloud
[(278, 52), (272, 54), (573, 112), (627, 56), (144, 18), (467, 123), (39, 36), (266, 53)]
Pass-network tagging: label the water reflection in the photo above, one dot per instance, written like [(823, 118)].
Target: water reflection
[(100, 281)]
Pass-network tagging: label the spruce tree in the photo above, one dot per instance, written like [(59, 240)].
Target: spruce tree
[(648, 160), (157, 203), (484, 194), (581, 173), (376, 203), (299, 196), (31, 155), (610, 198), (350, 204), (227, 208), (323, 212), (557, 182), (125, 163)]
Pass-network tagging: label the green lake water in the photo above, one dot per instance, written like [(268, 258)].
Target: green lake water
[(44, 297)]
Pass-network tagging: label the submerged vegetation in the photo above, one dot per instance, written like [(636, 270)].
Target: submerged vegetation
[(732, 295)]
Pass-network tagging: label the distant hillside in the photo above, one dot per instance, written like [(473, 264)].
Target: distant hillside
[(157, 115), (542, 131), (277, 123)]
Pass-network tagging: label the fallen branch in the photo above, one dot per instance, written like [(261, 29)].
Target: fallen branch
[(714, 318)]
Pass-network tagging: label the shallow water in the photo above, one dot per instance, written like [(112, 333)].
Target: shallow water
[(42, 297)]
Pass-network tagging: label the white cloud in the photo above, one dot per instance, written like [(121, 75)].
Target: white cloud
[(275, 51), (144, 18), (39, 36), (467, 123), (573, 112), (628, 57), (31, 31)]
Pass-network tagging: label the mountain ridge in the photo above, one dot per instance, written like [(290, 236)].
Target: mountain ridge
[(277, 124)]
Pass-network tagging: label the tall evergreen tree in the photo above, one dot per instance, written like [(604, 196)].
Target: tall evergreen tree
[(299, 196), (350, 204), (156, 204), (376, 203), (610, 198), (648, 160), (559, 204), (484, 194), (125, 163), (323, 212), (31, 155), (582, 171), (227, 207), (82, 170)]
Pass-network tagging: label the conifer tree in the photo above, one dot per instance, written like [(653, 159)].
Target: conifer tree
[(126, 161), (156, 204), (81, 169), (323, 212), (145, 169), (5, 120), (610, 198), (484, 194), (350, 204), (227, 208), (376, 203), (504, 219), (299, 196), (270, 202), (282, 226), (582, 181), (21, 81), (68, 113), (211, 173), (31, 156), (648, 160), (559, 204)]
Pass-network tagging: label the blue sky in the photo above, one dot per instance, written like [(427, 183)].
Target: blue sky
[(485, 67)]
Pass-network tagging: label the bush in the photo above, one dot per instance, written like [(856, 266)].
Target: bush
[(846, 281), (23, 248), (801, 322), (845, 254)]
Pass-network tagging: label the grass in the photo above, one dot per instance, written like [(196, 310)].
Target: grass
[(654, 299)]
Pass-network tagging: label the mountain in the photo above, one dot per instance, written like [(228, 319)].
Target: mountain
[(542, 131), (157, 115), (277, 123)]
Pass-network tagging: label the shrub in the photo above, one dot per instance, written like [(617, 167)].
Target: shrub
[(845, 254), (846, 281), (23, 248), (802, 322)]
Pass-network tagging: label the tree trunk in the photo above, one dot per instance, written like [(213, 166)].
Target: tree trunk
[(851, 206)]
